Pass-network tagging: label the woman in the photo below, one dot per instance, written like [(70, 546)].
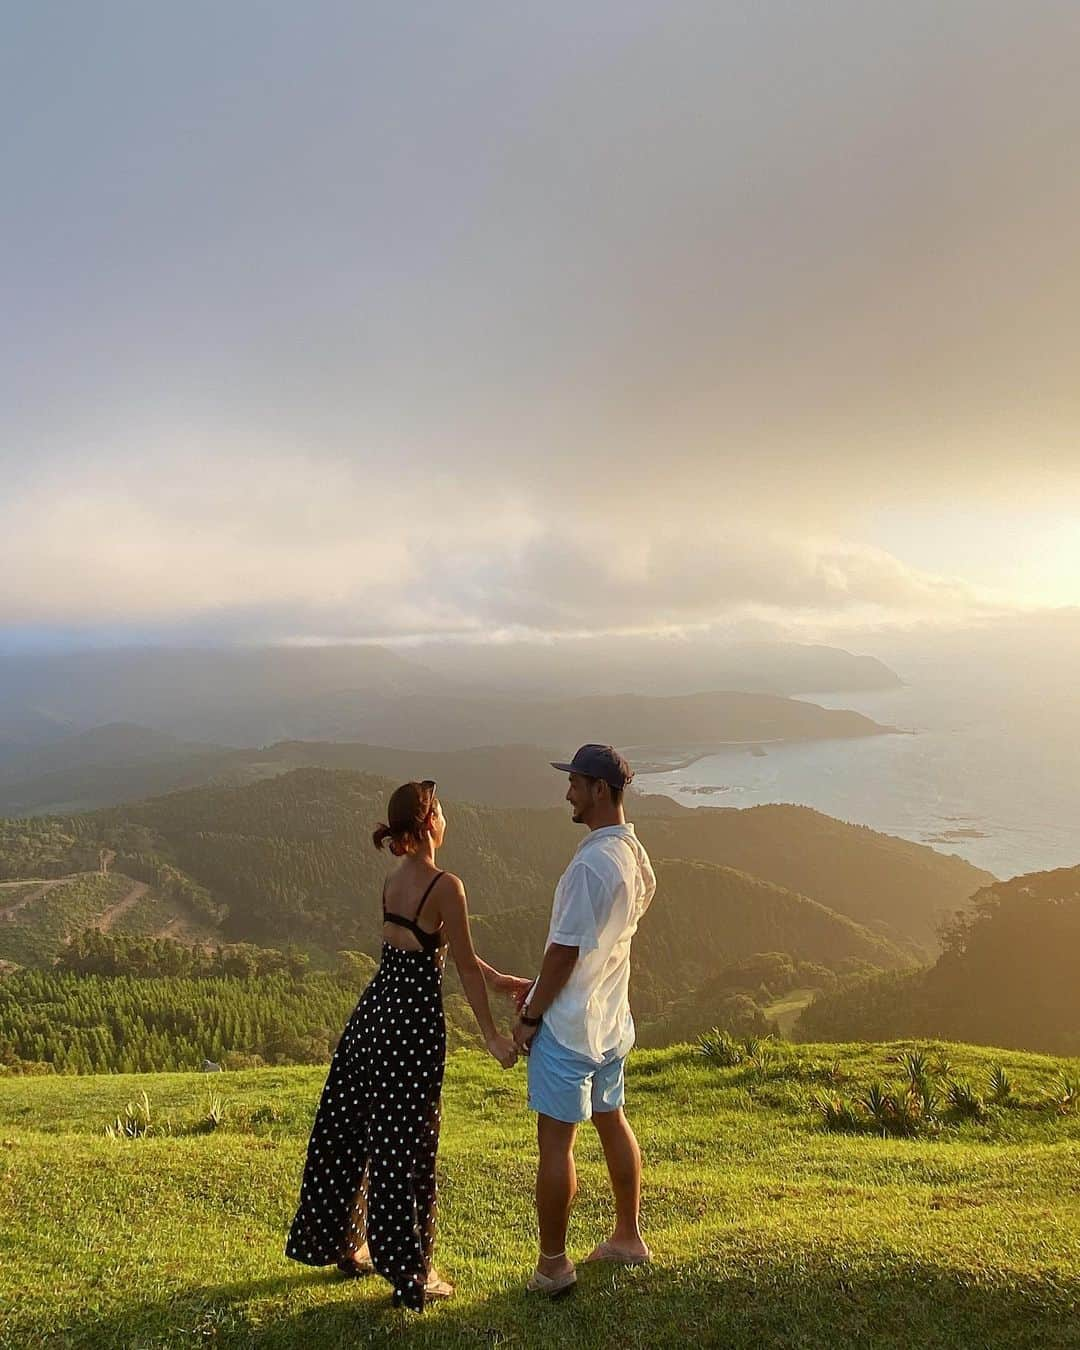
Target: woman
[(368, 1196)]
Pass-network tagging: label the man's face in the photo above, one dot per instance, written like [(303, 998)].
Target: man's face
[(437, 823), (581, 794)]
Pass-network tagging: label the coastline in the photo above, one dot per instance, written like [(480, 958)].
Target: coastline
[(649, 760)]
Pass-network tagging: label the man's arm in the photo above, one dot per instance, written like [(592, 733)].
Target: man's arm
[(558, 964)]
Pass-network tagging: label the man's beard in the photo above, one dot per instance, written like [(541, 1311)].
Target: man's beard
[(577, 818)]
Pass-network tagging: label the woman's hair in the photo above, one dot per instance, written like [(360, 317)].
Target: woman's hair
[(406, 811)]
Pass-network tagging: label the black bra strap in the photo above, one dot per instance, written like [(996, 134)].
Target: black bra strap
[(423, 898)]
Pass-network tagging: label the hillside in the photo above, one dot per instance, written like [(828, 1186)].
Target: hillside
[(704, 917), (288, 859), (38, 918), (1007, 976), (502, 775), (306, 833), (902, 888), (766, 1230)]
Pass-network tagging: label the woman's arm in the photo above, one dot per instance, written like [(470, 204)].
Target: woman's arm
[(513, 986), (455, 917)]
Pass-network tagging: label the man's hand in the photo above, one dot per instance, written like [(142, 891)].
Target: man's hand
[(523, 1036)]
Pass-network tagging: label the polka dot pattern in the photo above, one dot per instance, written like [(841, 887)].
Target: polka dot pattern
[(370, 1170)]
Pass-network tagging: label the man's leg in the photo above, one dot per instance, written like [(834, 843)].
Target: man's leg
[(623, 1158), (556, 1186)]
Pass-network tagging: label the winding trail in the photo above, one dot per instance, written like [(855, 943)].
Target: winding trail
[(28, 899), (105, 922)]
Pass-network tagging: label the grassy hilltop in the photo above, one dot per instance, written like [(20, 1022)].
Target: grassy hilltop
[(767, 1230)]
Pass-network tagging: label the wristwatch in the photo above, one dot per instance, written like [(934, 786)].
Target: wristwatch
[(529, 1021)]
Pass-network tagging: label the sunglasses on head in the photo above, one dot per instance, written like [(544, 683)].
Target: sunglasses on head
[(429, 785)]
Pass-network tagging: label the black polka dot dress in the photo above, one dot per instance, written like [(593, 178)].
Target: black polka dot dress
[(370, 1170)]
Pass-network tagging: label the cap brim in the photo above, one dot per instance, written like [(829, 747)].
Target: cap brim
[(564, 768)]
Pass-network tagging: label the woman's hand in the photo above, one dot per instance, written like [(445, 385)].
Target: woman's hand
[(503, 1049), (515, 988)]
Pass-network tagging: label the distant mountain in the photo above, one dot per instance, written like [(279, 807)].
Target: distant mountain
[(453, 739), (257, 696), (655, 665), (117, 745), (697, 722), (1007, 976), (238, 696)]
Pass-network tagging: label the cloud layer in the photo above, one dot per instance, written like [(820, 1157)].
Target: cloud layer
[(366, 320)]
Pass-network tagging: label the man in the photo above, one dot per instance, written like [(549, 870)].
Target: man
[(575, 1022)]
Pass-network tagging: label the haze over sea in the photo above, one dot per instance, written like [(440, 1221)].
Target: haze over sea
[(992, 771)]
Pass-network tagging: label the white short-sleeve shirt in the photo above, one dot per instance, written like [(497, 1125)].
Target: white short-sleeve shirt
[(598, 903)]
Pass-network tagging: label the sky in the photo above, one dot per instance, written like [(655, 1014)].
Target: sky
[(352, 321)]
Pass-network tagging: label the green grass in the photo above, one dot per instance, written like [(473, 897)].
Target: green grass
[(766, 1230)]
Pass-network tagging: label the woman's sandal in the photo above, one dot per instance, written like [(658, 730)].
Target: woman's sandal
[(352, 1269), (438, 1288), (551, 1285)]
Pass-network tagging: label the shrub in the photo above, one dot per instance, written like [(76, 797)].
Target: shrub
[(838, 1114), (964, 1101), (720, 1048), (916, 1066), (1064, 1095), (133, 1122), (999, 1086), (216, 1107)]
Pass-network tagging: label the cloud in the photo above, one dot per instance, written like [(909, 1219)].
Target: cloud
[(295, 547), (368, 321)]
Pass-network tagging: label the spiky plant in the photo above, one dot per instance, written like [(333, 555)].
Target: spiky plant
[(751, 1047), (942, 1067), (999, 1085), (762, 1057), (133, 1122), (929, 1102), (720, 1048), (1064, 1095), (879, 1105), (216, 1107), (964, 1101), (838, 1114), (905, 1117), (916, 1067)]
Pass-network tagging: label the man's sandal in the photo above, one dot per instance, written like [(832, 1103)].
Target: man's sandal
[(606, 1251)]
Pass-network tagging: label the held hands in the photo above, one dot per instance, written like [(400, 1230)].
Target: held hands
[(523, 1036), (503, 1049)]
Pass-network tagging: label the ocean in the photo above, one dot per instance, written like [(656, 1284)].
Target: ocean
[(985, 769)]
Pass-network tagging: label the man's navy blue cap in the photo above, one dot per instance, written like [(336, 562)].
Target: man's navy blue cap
[(599, 761)]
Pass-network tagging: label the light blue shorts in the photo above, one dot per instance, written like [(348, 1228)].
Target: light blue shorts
[(571, 1087)]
